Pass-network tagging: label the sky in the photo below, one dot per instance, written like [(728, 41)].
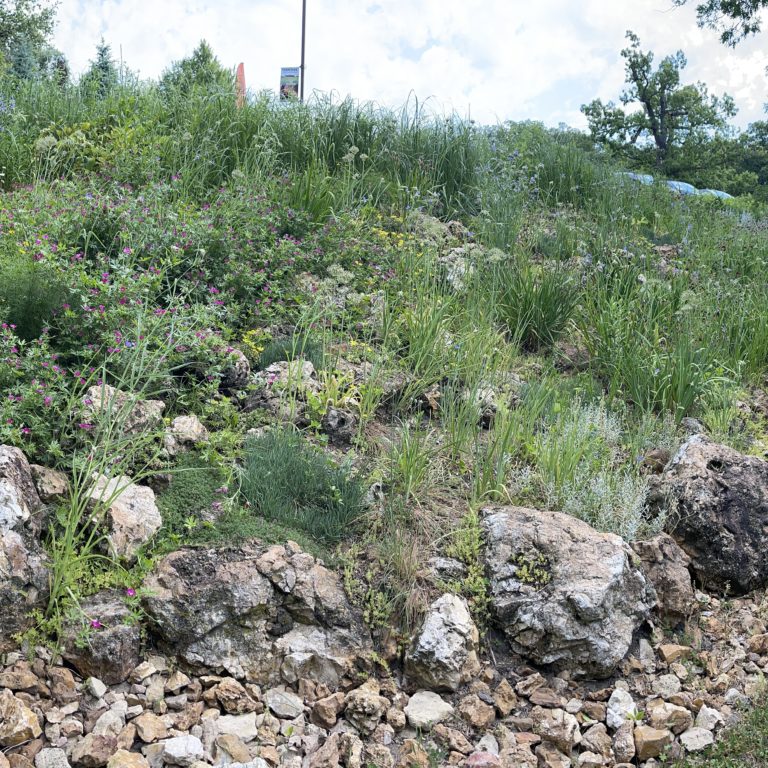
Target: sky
[(489, 60)]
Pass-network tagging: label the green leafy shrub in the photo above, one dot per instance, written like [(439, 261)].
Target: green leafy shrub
[(286, 480)]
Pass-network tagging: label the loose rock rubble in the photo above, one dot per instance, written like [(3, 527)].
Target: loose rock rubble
[(254, 656)]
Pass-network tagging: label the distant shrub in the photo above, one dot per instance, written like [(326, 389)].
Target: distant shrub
[(288, 481)]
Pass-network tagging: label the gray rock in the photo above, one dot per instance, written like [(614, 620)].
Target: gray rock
[(666, 566), (443, 654), (564, 594), (709, 718), (425, 709), (722, 500), (185, 432), (23, 563), (131, 515), (267, 615), (283, 703), (112, 650), (182, 750), (340, 425), (621, 708), (136, 415), (242, 726), (51, 758), (696, 739)]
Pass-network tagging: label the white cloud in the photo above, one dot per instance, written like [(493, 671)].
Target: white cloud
[(495, 59)]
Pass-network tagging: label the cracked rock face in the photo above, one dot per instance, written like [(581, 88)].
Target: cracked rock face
[(443, 655), (565, 594), (267, 615), (722, 514), (23, 563)]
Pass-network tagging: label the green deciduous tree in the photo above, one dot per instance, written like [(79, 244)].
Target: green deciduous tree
[(670, 114), (734, 19), (201, 69), (30, 20)]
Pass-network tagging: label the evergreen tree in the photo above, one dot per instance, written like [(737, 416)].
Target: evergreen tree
[(102, 74), (23, 60)]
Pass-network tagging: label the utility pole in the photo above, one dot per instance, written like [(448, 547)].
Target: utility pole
[(303, 40)]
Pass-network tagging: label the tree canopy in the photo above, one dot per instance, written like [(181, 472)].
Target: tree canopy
[(201, 69), (670, 115), (734, 19)]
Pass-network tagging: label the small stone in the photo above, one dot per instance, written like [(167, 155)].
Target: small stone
[(51, 758), (670, 652), (504, 698), (18, 723), (95, 687), (176, 682), (475, 712), (557, 727), (234, 748), (596, 739), (283, 703), (651, 742), (663, 714), (425, 709), (365, 707), (125, 759), (666, 686), (93, 751), (326, 711), (182, 750), (150, 727), (242, 726), (109, 724), (696, 739), (234, 699), (621, 707), (709, 718)]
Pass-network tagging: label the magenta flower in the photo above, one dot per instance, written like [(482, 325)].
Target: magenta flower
[(130, 592), (96, 624)]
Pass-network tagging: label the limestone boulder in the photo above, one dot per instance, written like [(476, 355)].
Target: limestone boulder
[(23, 563), (665, 565), (564, 594), (112, 639), (135, 415), (722, 514), (443, 655), (268, 615), (130, 514)]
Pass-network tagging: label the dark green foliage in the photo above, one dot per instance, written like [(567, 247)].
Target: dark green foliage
[(30, 293), (23, 61), (670, 114), (200, 70), (733, 19), (30, 20), (535, 304), (102, 74), (286, 480), (192, 491)]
